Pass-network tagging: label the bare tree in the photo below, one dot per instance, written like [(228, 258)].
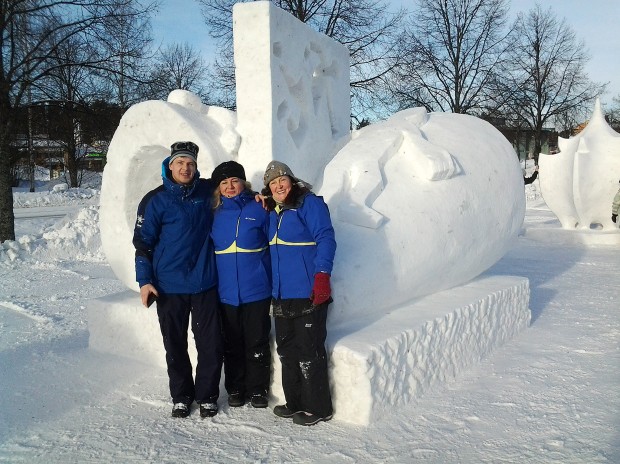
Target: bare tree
[(613, 113), (31, 32), (366, 27), (126, 39), (177, 66), (452, 50), (547, 72), (67, 88)]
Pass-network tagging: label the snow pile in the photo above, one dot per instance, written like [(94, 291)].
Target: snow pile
[(55, 197), (77, 237), (74, 237), (56, 192)]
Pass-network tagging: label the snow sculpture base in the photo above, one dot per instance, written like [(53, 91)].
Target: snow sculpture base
[(575, 236), (374, 368), (120, 325)]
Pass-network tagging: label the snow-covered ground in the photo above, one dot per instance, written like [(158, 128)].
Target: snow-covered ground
[(549, 395)]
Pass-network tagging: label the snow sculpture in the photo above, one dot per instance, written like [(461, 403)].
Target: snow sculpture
[(140, 143), (579, 183), (431, 200), (420, 203), (293, 98), (425, 201)]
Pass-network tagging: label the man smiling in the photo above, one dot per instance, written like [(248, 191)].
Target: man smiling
[(175, 264)]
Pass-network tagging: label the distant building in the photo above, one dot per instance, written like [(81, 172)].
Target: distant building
[(53, 155), (522, 139)]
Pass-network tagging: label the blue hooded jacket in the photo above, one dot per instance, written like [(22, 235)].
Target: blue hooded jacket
[(302, 243), (174, 251), (240, 236)]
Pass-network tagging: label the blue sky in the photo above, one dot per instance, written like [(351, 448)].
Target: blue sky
[(594, 21)]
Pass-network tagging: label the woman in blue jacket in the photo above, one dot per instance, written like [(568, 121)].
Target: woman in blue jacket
[(302, 247), (239, 233)]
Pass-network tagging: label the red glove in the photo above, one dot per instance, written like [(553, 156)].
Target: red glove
[(321, 291)]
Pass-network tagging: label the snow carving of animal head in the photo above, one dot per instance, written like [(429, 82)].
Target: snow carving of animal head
[(423, 202)]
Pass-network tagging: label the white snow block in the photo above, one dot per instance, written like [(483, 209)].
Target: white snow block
[(396, 359), (293, 94), (118, 324), (375, 365)]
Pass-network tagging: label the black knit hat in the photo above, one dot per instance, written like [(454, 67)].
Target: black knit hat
[(226, 170)]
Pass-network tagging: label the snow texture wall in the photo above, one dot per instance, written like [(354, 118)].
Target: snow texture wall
[(293, 98), (579, 183)]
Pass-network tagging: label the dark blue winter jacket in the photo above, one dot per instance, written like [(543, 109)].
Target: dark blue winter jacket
[(240, 236), (174, 251), (302, 243)]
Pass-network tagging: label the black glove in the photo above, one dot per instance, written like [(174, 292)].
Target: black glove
[(613, 217)]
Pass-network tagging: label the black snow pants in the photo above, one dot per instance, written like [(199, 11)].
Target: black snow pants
[(247, 354), (301, 348), (174, 312)]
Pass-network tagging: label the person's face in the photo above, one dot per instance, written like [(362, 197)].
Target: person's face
[(280, 187), (183, 169), (231, 187)]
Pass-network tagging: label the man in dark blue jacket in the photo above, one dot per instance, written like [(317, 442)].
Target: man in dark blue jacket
[(175, 264)]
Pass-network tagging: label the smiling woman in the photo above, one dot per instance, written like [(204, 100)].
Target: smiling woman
[(239, 234)]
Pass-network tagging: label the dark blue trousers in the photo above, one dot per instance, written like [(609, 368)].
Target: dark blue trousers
[(174, 312), (247, 354)]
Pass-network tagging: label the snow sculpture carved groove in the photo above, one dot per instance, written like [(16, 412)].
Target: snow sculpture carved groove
[(579, 183)]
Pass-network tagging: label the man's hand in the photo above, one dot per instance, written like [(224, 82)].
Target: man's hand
[(614, 217), (262, 198), (145, 294)]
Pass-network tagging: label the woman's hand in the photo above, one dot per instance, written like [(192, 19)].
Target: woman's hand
[(321, 290)]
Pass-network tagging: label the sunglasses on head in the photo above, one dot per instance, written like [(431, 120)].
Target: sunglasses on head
[(187, 146)]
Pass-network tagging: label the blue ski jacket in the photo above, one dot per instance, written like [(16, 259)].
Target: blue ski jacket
[(302, 244), (240, 236), (174, 251)]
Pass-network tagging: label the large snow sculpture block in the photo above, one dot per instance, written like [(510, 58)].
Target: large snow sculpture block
[(292, 86), (383, 363), (579, 183), (437, 199), (140, 144)]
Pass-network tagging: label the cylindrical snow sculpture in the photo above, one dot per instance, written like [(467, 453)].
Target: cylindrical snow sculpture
[(579, 183), (420, 203), (140, 144)]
